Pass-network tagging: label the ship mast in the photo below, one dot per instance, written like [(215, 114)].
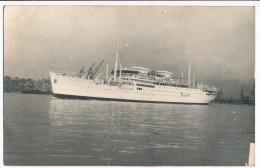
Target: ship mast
[(115, 69), (193, 83), (189, 74), (120, 73), (106, 72)]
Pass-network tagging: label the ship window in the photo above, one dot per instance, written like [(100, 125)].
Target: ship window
[(143, 85), (55, 80), (139, 88)]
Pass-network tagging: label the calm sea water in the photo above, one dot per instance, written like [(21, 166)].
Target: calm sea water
[(41, 130)]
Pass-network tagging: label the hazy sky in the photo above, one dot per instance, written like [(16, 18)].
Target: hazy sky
[(219, 40)]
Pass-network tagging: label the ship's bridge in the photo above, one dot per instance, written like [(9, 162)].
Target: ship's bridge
[(165, 74), (140, 69), (125, 71)]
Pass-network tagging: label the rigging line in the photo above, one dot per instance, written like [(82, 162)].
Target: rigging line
[(49, 61)]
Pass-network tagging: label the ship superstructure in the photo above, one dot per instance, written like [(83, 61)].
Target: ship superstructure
[(131, 84)]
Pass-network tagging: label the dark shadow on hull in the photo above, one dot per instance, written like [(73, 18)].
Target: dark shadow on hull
[(121, 100)]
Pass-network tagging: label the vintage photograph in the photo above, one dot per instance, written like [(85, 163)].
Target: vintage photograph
[(128, 85)]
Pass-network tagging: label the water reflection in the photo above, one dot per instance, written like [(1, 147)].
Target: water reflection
[(42, 130), (118, 130)]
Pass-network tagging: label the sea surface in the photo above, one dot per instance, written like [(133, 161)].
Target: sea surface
[(42, 130)]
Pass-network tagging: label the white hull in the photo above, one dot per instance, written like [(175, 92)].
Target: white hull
[(79, 87)]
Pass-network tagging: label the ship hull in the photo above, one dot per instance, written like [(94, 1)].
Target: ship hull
[(62, 96), (72, 87)]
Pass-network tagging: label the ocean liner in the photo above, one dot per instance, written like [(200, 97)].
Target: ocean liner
[(136, 84)]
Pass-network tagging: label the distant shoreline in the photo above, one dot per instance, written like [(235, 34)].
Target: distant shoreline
[(32, 92), (250, 104)]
